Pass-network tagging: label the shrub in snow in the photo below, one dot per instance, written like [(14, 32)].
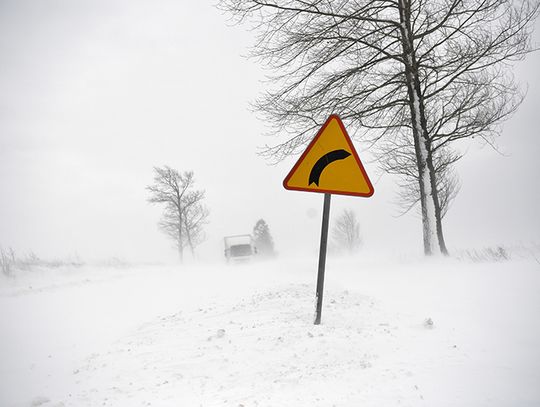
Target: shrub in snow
[(10, 263), (490, 254), (38, 401), (7, 260)]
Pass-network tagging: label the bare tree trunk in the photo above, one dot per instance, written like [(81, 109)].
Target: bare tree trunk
[(188, 237), (431, 211), (180, 237), (437, 205)]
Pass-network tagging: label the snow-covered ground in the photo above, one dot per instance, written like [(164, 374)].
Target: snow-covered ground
[(401, 332)]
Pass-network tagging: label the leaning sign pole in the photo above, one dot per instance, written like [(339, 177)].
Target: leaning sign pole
[(329, 165), (322, 258)]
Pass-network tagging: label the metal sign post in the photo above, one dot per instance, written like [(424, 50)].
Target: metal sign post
[(329, 165), (322, 258)]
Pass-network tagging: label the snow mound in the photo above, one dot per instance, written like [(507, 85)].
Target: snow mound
[(262, 351)]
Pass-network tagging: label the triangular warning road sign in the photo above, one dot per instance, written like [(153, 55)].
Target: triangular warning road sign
[(330, 164)]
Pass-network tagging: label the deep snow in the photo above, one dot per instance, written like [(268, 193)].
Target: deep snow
[(407, 332)]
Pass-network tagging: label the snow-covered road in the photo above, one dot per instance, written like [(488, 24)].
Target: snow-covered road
[(243, 336)]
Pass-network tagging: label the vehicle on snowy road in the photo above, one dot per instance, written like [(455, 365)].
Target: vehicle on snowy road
[(239, 248)]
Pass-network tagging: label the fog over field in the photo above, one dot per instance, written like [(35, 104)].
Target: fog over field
[(94, 94)]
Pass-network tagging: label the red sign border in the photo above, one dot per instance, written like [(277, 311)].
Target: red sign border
[(353, 151)]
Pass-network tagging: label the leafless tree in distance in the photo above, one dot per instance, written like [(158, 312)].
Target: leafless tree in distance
[(184, 213), (346, 232), (416, 73)]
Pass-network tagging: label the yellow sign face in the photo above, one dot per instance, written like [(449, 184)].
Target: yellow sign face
[(330, 164)]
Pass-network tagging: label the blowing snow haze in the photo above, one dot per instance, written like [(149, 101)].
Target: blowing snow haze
[(93, 94), (106, 106)]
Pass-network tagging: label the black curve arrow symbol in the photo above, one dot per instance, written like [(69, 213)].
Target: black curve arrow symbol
[(322, 162)]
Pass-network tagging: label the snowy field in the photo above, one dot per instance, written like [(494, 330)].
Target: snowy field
[(401, 332)]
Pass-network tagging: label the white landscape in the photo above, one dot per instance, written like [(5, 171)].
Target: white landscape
[(143, 144), (400, 332)]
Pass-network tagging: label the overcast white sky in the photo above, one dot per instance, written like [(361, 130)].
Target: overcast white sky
[(93, 94)]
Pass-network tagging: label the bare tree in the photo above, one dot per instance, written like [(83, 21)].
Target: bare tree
[(400, 160), (346, 231), (414, 73), (195, 218), (184, 213)]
